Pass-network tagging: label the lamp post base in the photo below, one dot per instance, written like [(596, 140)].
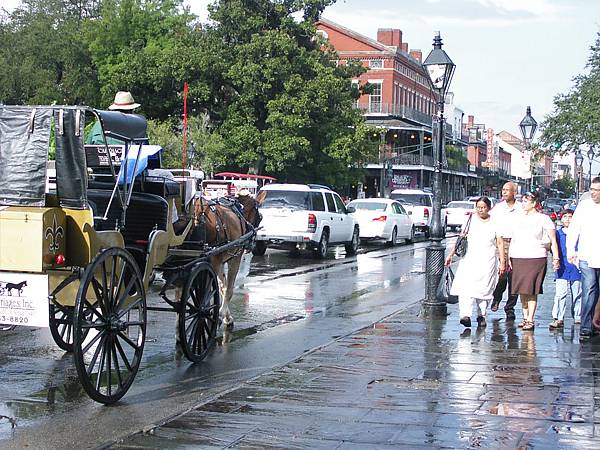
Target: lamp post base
[(434, 268)]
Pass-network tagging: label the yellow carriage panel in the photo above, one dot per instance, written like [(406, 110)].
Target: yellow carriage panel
[(31, 238)]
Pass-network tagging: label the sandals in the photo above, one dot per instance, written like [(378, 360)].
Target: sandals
[(556, 324), (529, 326), (522, 323)]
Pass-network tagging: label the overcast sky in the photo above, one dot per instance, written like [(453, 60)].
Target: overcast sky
[(509, 53)]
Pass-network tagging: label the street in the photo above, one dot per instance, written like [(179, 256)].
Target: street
[(287, 306)]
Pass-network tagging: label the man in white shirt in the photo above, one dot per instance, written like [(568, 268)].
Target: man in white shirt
[(583, 233), (505, 212)]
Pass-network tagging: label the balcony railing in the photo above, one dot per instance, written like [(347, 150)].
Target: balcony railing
[(414, 159), (400, 111)]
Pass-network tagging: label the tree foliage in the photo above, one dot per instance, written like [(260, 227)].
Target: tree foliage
[(575, 119), (43, 56), (566, 185), (286, 106), (202, 143), (265, 92)]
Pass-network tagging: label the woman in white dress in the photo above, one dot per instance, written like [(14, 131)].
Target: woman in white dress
[(478, 270)]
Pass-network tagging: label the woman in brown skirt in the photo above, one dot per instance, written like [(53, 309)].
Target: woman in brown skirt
[(528, 255)]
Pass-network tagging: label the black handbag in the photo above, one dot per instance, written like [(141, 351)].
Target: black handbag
[(443, 290), (462, 244)]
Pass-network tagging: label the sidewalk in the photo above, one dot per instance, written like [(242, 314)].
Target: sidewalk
[(410, 383)]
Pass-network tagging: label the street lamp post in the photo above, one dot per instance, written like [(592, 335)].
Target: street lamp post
[(440, 69), (528, 126), (578, 166), (590, 154)]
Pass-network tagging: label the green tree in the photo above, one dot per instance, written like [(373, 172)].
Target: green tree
[(203, 144), (148, 47), (283, 106), (43, 58), (566, 185), (575, 119)]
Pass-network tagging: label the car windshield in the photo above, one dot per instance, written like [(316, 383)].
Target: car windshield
[(368, 206), (465, 205), (286, 199), (412, 199)]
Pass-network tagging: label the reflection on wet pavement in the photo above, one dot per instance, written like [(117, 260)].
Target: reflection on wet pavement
[(410, 383)]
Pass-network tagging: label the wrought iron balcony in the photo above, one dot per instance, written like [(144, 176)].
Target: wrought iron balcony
[(379, 109)]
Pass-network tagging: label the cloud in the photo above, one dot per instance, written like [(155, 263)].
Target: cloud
[(439, 13)]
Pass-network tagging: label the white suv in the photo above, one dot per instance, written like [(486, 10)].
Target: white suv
[(419, 205), (301, 216)]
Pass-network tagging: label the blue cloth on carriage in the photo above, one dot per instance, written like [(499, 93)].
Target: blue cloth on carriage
[(146, 152)]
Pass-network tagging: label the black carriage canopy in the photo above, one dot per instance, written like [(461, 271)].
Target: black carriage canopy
[(25, 133)]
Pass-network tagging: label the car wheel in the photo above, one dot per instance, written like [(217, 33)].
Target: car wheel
[(352, 246), (260, 247), (411, 238), (427, 232), (394, 238), (321, 251)]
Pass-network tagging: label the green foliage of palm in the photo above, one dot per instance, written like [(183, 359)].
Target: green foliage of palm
[(575, 119)]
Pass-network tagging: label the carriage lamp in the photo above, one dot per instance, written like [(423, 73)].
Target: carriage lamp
[(59, 259), (440, 69)]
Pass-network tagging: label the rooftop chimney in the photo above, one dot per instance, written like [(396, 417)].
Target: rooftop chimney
[(391, 37), (417, 54), (470, 120)]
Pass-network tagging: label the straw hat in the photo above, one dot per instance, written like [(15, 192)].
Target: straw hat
[(123, 102)]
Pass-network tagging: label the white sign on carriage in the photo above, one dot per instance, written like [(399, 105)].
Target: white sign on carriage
[(24, 299)]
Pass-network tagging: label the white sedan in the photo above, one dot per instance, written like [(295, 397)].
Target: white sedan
[(458, 212), (382, 218)]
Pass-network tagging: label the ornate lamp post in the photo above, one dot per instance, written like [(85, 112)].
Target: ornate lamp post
[(578, 166), (590, 154), (440, 69), (528, 126)]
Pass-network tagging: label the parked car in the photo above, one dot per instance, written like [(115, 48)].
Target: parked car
[(300, 216), (419, 205), (458, 212), (553, 204), (382, 218)]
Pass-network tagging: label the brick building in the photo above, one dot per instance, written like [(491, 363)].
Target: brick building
[(401, 105)]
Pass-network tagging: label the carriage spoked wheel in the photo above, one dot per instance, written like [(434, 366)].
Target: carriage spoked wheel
[(61, 326), (109, 325), (198, 317)]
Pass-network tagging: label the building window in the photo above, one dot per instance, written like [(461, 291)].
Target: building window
[(375, 98), (376, 63)]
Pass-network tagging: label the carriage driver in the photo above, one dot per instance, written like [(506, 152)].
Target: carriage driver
[(124, 103)]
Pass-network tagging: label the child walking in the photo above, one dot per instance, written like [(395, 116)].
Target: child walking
[(568, 279)]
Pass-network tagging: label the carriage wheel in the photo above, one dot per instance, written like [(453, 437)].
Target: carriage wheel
[(61, 326), (198, 318), (109, 325)]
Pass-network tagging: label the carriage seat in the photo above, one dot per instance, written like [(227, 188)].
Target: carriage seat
[(146, 212)]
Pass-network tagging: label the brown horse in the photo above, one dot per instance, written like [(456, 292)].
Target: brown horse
[(218, 223)]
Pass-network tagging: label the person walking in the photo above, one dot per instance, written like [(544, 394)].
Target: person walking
[(583, 242), (567, 279), (528, 255), (477, 272), (504, 213)]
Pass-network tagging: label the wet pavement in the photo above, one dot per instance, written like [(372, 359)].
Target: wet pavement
[(409, 382)]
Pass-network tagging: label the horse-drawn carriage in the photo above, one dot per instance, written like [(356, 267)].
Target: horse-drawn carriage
[(82, 256)]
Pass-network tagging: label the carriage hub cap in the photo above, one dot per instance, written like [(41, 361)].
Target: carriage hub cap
[(115, 325)]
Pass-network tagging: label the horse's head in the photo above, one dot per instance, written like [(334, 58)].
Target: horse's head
[(250, 210)]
